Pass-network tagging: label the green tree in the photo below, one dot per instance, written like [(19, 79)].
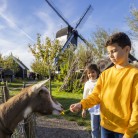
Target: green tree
[(9, 63), (1, 60), (44, 54), (99, 39), (132, 21), (40, 68)]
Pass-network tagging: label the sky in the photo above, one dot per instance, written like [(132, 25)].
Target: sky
[(20, 21)]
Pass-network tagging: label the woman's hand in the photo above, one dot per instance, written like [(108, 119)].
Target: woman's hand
[(75, 107)]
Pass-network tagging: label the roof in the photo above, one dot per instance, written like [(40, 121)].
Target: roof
[(19, 63), (62, 32)]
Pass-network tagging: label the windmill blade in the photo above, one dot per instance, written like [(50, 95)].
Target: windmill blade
[(75, 31), (64, 47), (82, 17), (83, 39), (68, 41), (57, 12)]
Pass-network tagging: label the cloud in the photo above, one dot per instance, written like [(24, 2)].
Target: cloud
[(51, 25), (2, 27), (3, 5), (22, 52), (10, 20), (13, 25), (13, 39)]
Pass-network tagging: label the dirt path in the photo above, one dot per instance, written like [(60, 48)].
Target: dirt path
[(59, 128)]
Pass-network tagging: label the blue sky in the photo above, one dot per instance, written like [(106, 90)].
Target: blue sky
[(20, 21)]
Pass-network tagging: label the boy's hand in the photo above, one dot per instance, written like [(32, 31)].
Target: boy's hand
[(83, 113), (75, 107)]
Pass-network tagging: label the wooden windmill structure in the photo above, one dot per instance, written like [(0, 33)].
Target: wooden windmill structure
[(71, 35), (70, 32)]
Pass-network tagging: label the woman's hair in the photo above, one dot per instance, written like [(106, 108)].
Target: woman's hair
[(120, 38), (91, 67)]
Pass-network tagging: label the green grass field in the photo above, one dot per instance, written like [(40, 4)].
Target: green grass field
[(66, 99)]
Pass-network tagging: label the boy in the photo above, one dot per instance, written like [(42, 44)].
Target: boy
[(116, 91)]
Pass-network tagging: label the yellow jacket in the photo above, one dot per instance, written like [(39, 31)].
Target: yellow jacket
[(117, 93)]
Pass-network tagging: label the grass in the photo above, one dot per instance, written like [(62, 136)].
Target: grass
[(14, 88), (66, 99)]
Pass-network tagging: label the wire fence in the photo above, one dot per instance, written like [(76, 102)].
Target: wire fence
[(26, 128)]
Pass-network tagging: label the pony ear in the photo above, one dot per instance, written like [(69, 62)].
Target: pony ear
[(38, 86)]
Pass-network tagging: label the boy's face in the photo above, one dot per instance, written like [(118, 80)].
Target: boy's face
[(118, 55)]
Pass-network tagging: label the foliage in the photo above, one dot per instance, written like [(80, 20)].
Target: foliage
[(40, 68), (95, 50), (65, 61), (85, 55), (99, 39), (133, 21), (44, 54), (77, 86), (7, 62), (1, 60)]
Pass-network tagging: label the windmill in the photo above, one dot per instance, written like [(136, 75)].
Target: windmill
[(70, 32)]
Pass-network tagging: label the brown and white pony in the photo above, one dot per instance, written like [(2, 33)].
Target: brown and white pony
[(35, 98)]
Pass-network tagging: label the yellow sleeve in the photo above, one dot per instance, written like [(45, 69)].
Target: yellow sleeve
[(133, 123), (94, 97)]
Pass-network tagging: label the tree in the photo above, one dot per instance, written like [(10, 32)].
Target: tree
[(39, 68), (9, 63), (44, 54), (1, 60), (95, 50), (84, 55), (133, 21), (99, 39)]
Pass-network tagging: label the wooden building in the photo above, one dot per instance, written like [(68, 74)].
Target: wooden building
[(22, 72), (9, 74)]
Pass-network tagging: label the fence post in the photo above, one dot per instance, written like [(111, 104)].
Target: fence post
[(24, 84), (29, 123), (5, 92)]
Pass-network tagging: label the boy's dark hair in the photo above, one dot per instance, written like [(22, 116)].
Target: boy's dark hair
[(119, 38)]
